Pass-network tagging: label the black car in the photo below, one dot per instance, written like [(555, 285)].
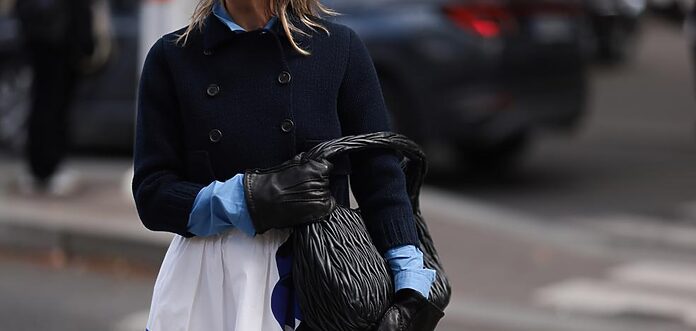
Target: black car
[(478, 78)]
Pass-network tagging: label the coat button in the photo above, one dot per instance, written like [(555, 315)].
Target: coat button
[(284, 77), (215, 135), (212, 90), (207, 52), (287, 125)]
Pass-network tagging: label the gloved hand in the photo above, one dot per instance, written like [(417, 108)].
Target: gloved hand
[(292, 193), (410, 311)]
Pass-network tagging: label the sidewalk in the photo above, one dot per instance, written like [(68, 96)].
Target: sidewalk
[(99, 220)]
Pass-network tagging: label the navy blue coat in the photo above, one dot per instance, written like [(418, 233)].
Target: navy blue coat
[(227, 102)]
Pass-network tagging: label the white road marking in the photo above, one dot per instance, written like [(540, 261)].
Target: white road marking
[(659, 274), (643, 228), (611, 298), (133, 322), (516, 317)]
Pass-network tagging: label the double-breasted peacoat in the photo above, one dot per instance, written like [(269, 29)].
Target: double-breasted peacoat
[(225, 102)]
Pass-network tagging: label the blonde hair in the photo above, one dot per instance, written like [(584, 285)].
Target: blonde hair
[(308, 12)]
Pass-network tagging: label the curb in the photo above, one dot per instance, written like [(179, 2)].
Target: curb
[(34, 239), (29, 238)]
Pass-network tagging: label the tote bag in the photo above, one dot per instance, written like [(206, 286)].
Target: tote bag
[(342, 282)]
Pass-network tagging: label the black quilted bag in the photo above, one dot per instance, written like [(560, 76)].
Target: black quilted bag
[(342, 281)]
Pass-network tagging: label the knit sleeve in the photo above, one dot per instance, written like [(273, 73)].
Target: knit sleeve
[(377, 180), (163, 200)]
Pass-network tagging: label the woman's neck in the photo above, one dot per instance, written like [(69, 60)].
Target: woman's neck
[(249, 14)]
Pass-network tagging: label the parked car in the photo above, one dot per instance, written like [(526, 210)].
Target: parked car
[(479, 78)]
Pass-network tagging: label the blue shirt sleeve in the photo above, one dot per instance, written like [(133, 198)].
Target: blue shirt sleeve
[(221, 206), (406, 263)]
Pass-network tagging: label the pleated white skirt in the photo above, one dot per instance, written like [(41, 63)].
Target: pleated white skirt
[(226, 282)]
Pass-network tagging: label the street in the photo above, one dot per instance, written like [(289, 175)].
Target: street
[(39, 296), (595, 231)]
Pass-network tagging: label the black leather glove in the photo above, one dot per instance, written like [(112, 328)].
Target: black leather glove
[(292, 193), (410, 311)]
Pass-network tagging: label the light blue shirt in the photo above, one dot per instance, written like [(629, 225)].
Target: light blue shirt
[(221, 13), (221, 206)]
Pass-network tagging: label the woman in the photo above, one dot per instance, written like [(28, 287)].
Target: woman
[(246, 86)]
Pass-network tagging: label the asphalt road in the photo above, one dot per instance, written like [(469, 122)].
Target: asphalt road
[(44, 296)]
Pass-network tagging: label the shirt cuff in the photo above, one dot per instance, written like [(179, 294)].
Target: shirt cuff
[(420, 280), (406, 263), (221, 206)]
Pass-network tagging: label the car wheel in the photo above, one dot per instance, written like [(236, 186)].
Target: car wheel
[(501, 157), (15, 100)]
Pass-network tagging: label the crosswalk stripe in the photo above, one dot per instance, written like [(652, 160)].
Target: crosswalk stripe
[(670, 275), (133, 322), (644, 228), (614, 298)]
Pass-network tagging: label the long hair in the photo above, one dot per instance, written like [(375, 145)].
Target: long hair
[(307, 11)]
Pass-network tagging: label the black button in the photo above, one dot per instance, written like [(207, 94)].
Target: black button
[(212, 90), (284, 77), (286, 125), (215, 135), (207, 52)]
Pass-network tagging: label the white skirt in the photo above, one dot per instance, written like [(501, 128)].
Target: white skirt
[(226, 282)]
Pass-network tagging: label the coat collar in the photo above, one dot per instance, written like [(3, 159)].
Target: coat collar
[(216, 33)]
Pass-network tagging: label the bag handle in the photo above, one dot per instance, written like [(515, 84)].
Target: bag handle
[(413, 163)]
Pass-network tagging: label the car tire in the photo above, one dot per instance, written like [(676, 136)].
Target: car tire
[(501, 157)]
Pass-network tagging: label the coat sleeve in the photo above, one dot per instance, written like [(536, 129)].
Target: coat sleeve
[(377, 180), (162, 198)]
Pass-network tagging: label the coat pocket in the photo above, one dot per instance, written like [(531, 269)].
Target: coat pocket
[(341, 163), (198, 167)]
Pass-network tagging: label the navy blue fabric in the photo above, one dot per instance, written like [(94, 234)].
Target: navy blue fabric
[(332, 93)]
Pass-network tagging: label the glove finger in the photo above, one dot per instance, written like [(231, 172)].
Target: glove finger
[(306, 196), (304, 184), (322, 166)]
